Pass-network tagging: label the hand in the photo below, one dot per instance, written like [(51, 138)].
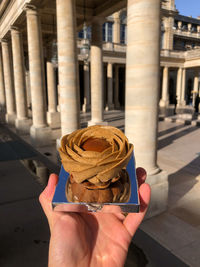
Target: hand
[(91, 239)]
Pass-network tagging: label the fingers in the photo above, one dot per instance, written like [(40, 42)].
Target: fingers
[(133, 220), (47, 195), (141, 175)]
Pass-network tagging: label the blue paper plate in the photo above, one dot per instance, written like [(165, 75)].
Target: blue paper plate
[(132, 205)]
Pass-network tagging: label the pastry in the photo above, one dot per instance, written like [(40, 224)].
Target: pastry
[(96, 158)]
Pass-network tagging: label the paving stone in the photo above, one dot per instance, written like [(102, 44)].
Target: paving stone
[(24, 234), (170, 231), (190, 253)]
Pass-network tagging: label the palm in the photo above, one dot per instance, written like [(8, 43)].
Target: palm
[(90, 240)]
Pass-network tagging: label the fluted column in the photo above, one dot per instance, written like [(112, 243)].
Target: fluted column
[(165, 93), (53, 117), (67, 66), (142, 87), (96, 68), (40, 133), (110, 104), (22, 123), (116, 28), (86, 104), (183, 88), (179, 85), (2, 88), (9, 83)]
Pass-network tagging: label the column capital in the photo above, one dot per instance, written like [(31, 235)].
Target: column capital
[(30, 9), (4, 41), (15, 29), (116, 15)]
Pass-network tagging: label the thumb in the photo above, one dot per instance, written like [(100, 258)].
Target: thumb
[(46, 196)]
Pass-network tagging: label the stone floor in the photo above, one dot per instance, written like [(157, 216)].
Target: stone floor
[(165, 238), (178, 229)]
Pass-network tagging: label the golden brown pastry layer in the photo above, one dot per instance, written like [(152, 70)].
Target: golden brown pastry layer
[(96, 167), (116, 192)]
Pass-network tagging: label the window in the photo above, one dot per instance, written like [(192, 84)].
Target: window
[(109, 29), (123, 33), (80, 34), (107, 32)]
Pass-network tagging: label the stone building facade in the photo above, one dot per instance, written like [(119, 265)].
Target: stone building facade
[(180, 47), (46, 80)]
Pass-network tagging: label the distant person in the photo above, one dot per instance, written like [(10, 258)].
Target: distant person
[(91, 239), (175, 104), (196, 104)]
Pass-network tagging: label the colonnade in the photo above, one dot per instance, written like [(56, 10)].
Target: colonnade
[(181, 84), (19, 86), (142, 82)]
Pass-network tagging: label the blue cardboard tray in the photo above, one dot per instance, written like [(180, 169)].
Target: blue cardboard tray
[(133, 205)]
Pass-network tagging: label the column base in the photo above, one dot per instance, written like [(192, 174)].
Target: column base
[(53, 119), (167, 111), (10, 118), (91, 123), (40, 136), (159, 193), (109, 107), (86, 108), (163, 103), (23, 125), (183, 103)]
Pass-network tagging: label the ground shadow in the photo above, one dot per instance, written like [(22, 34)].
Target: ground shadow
[(170, 130), (169, 140), (184, 179)]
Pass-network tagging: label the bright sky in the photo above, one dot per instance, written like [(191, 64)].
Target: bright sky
[(188, 7)]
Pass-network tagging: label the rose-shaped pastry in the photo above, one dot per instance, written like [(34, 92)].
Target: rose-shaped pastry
[(96, 157)]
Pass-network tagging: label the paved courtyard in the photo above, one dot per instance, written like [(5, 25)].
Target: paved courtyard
[(169, 239), (178, 229)]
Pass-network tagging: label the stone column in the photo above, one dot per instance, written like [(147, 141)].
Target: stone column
[(179, 85), (110, 104), (116, 28), (28, 89), (183, 102), (40, 132), (2, 88), (9, 84), (142, 89), (22, 123), (164, 102), (53, 117), (96, 68), (86, 104), (116, 91), (67, 66), (195, 87)]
